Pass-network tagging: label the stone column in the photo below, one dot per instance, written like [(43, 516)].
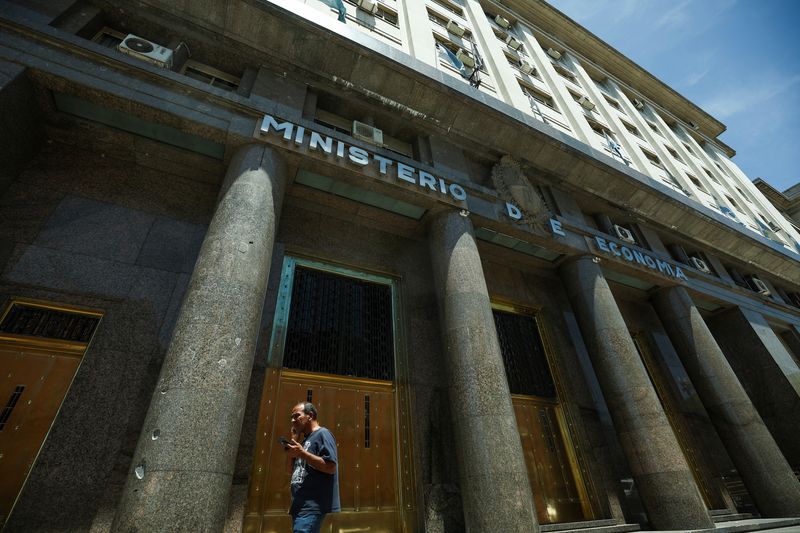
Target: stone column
[(665, 483), (763, 468), (181, 473), (495, 491)]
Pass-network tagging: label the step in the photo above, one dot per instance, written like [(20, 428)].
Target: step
[(591, 526), (750, 524), (729, 517)]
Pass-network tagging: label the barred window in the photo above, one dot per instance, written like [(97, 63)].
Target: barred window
[(523, 355)]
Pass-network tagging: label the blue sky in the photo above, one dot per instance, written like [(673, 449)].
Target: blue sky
[(739, 60)]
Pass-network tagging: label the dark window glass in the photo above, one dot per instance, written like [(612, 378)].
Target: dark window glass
[(523, 355), (339, 325)]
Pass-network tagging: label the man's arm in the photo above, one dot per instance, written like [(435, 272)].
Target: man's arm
[(316, 462)]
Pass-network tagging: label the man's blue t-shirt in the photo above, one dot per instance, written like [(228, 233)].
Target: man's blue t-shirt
[(314, 491)]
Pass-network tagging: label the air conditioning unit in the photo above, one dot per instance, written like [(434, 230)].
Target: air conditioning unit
[(502, 22), (145, 50), (555, 54), (465, 58), (693, 125), (586, 103), (513, 43), (527, 68), (367, 133), (624, 234), (370, 6), (758, 285), (454, 28), (638, 104), (699, 264)]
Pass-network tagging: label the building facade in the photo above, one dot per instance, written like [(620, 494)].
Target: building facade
[(520, 277)]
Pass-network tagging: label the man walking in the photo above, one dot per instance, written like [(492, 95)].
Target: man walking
[(314, 469)]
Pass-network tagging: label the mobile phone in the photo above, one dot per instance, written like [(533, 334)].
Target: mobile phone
[(284, 441)]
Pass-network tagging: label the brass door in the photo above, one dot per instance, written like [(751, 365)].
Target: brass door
[(33, 383), (360, 413), (558, 492), (698, 464)]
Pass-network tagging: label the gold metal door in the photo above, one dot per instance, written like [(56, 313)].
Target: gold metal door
[(33, 383), (558, 491), (361, 415), (41, 348), (698, 464)]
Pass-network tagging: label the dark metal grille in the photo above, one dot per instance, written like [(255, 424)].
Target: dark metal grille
[(523, 355), (339, 325), (48, 323), (12, 402)]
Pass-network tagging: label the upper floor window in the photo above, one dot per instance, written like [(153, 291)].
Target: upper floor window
[(653, 158), (633, 130), (673, 153), (451, 7)]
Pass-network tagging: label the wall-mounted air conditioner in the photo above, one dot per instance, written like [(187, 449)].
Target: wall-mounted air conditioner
[(693, 125), (454, 28), (465, 58), (624, 234), (638, 104), (502, 22), (699, 264), (758, 285), (367, 133), (527, 68), (513, 43), (586, 103), (145, 50), (555, 54), (370, 6)]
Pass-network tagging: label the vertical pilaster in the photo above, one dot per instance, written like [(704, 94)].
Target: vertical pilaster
[(665, 483), (495, 491), (182, 470), (763, 468)]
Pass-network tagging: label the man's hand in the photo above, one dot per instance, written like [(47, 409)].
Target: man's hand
[(294, 449)]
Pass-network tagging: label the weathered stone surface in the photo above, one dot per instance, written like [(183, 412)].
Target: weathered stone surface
[(669, 493), (485, 435), (180, 479), (765, 471)]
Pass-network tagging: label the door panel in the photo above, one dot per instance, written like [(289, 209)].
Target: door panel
[(367, 464), (33, 384), (555, 487)]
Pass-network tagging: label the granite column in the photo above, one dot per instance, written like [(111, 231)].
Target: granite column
[(763, 468), (181, 473), (495, 491), (665, 483)]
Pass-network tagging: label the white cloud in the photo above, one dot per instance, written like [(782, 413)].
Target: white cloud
[(748, 97)]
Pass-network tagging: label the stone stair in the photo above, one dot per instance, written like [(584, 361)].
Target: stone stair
[(726, 515), (591, 526)]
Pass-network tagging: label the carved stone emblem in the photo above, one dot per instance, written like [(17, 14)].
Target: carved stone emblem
[(512, 185)]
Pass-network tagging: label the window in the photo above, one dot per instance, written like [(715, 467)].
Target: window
[(599, 129), (633, 130), (437, 19), (710, 175), (566, 73), (654, 128), (539, 96), (689, 149), (653, 158), (109, 37), (210, 75), (732, 201), (611, 101), (451, 7), (696, 182), (673, 153), (384, 13)]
